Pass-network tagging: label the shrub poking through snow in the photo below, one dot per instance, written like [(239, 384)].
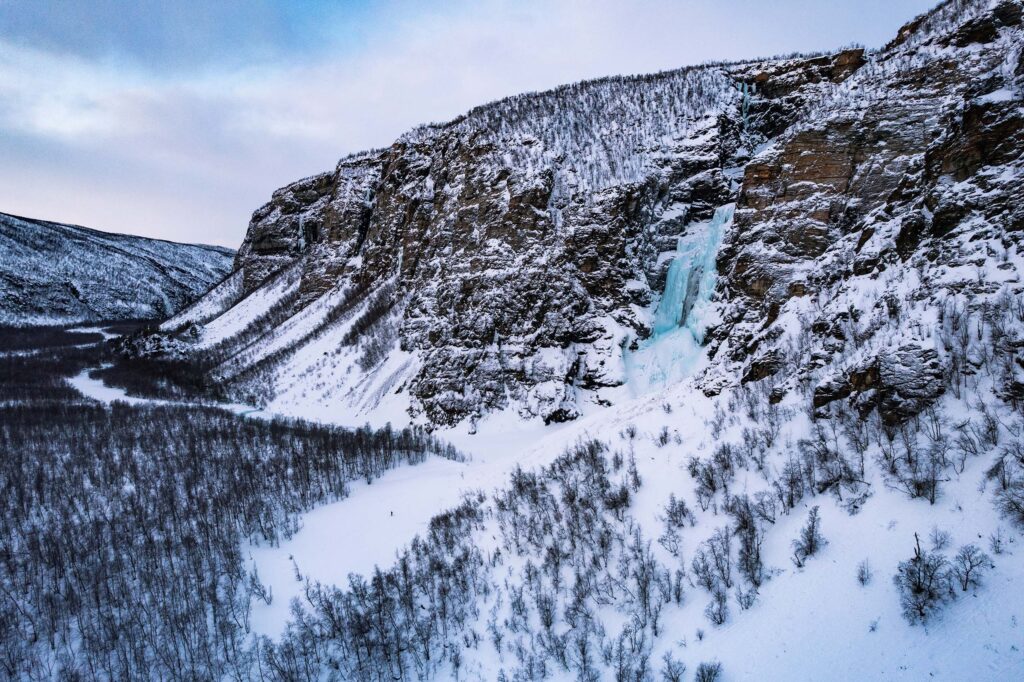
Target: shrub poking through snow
[(717, 609), (708, 672), (864, 573), (940, 539), (810, 540), (924, 584), (969, 565), (996, 541), (672, 670)]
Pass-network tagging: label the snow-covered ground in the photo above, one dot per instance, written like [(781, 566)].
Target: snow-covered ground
[(376, 520), (819, 621), (353, 535), (816, 619), (213, 303), (96, 389), (102, 331)]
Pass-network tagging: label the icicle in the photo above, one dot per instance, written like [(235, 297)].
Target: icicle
[(746, 104)]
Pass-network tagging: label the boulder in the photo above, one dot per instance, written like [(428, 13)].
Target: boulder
[(899, 383)]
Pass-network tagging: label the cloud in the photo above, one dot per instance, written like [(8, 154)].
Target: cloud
[(129, 138)]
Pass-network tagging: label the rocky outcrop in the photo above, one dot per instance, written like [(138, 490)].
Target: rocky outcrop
[(521, 285), (914, 158), (778, 91), (899, 383), (985, 28), (512, 284)]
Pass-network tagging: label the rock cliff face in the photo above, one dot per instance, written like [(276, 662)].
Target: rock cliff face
[(513, 258), (60, 274), (891, 198)]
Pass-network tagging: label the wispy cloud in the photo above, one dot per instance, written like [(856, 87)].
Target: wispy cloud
[(134, 138)]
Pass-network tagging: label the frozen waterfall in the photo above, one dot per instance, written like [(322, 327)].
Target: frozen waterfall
[(681, 317)]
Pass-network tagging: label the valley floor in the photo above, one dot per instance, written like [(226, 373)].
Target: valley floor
[(816, 620)]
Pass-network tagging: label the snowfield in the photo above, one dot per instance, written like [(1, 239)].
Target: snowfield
[(817, 619)]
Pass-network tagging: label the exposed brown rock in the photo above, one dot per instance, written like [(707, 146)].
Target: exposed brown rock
[(763, 367)]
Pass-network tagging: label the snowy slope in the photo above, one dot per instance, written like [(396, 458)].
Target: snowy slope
[(804, 300), (57, 274), (811, 622)]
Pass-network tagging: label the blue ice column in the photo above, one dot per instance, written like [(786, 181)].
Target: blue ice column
[(680, 319)]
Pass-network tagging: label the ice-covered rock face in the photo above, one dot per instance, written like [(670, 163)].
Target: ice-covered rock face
[(515, 245), (522, 256)]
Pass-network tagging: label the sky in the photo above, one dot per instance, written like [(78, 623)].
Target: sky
[(178, 119)]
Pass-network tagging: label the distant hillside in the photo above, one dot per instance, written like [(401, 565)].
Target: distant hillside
[(52, 273)]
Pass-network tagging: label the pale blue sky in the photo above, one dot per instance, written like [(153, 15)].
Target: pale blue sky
[(177, 119)]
